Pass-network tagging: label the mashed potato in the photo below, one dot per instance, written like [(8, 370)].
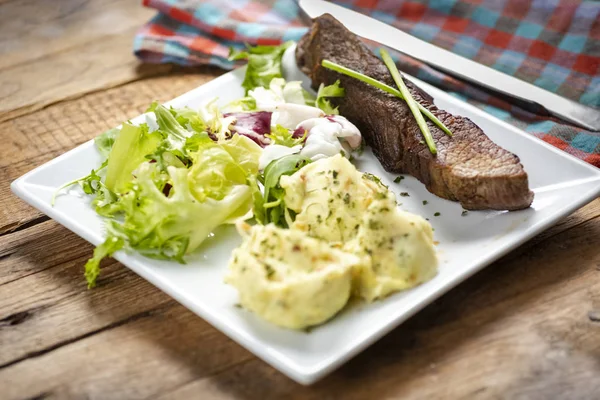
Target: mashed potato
[(398, 249), (289, 278), (348, 237), (329, 197)]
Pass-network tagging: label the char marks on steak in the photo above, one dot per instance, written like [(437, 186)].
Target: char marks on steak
[(468, 167)]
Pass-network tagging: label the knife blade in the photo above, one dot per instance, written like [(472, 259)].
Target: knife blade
[(461, 67)]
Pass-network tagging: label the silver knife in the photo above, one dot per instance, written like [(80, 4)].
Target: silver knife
[(370, 28)]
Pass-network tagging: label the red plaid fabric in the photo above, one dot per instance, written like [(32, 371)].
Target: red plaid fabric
[(554, 44)]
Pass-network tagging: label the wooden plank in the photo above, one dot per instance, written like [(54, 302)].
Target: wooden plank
[(521, 327), (36, 29), (53, 50), (34, 139), (160, 349), (45, 299)]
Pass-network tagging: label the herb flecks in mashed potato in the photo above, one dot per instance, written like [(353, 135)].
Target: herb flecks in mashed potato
[(335, 202), (329, 197), (340, 210), (397, 247), (289, 278)]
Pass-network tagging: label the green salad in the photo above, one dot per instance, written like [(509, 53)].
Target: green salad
[(164, 185)]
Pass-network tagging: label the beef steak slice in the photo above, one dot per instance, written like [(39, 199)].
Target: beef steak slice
[(468, 167)]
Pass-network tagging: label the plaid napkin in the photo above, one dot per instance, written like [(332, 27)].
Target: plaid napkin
[(554, 44)]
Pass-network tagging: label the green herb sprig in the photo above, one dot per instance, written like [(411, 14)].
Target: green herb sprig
[(386, 88)]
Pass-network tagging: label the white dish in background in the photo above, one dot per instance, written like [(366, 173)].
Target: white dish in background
[(468, 243)]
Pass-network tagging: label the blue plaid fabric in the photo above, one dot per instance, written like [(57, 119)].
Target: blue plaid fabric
[(554, 44)]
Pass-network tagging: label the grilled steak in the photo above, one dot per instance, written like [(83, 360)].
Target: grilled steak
[(468, 167)]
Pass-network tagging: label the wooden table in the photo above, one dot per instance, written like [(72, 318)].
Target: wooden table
[(528, 326)]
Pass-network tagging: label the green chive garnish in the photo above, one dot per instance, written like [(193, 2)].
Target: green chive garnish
[(412, 104), (380, 85)]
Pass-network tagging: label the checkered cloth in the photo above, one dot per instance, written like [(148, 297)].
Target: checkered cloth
[(554, 44)]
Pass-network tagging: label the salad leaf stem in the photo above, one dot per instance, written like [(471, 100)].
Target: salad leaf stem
[(412, 104), (87, 182), (272, 204), (386, 88)]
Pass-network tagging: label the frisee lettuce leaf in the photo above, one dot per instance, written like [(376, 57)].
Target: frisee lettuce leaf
[(168, 209), (189, 119), (166, 190), (264, 64), (129, 150), (92, 266), (247, 103), (284, 137), (173, 132), (88, 183), (167, 224), (152, 106), (105, 141), (107, 248), (324, 92), (217, 168)]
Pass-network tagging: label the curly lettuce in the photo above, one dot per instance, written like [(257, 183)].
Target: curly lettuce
[(129, 150), (322, 101), (164, 190), (105, 141), (285, 137), (264, 64), (166, 214)]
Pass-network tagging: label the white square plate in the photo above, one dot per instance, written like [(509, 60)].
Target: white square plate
[(561, 184)]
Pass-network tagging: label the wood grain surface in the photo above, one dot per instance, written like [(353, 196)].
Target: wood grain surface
[(528, 326)]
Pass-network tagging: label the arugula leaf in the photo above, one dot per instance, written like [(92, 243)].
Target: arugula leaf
[(285, 137), (258, 209), (273, 206), (264, 64), (105, 141), (323, 103), (128, 152)]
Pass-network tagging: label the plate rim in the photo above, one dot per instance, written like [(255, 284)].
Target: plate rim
[(303, 374)]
